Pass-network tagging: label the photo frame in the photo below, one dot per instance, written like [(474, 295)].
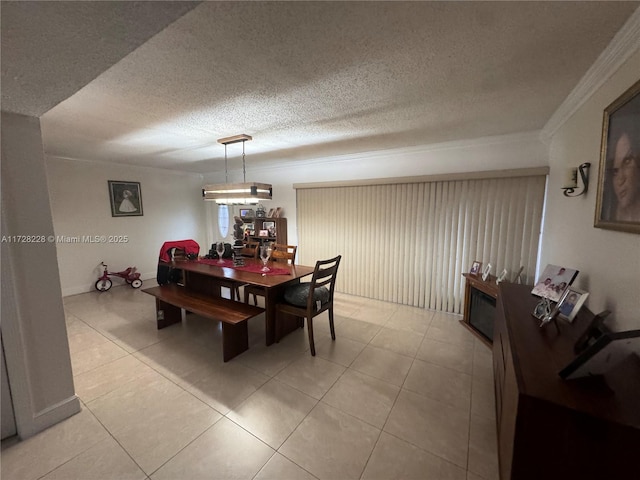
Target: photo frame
[(603, 353), (572, 303), (502, 276), (125, 198), (263, 233), (486, 272), (270, 227), (246, 213), (475, 268), (554, 281), (518, 276), (618, 198)]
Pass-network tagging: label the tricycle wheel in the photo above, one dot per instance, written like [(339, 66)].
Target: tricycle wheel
[(137, 283), (103, 284)]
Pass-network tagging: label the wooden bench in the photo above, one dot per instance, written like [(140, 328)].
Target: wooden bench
[(171, 299)]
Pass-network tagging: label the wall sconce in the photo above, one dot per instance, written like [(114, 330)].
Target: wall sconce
[(571, 181)]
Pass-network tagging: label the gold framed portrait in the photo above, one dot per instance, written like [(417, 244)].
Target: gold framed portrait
[(618, 201)]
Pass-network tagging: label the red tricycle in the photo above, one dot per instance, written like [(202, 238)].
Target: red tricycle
[(130, 275)]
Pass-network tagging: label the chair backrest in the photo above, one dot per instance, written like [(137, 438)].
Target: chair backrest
[(283, 253), (250, 249), (178, 254), (324, 275)]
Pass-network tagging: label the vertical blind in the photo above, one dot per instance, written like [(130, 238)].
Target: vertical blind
[(409, 243)]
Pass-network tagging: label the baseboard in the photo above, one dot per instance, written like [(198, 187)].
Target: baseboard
[(78, 289), (50, 416)]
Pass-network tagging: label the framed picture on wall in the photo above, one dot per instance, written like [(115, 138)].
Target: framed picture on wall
[(126, 198), (618, 200)]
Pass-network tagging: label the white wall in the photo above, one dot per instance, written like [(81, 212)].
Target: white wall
[(34, 333), (608, 261), (492, 153), (172, 210)]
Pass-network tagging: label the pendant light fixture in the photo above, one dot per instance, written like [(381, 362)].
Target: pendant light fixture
[(246, 193)]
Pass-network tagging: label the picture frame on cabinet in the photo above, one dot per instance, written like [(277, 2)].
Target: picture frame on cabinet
[(502, 276), (553, 282), (618, 197), (602, 353), (486, 272), (475, 268), (270, 227), (572, 303)]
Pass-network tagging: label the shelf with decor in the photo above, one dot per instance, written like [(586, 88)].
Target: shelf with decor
[(276, 229)]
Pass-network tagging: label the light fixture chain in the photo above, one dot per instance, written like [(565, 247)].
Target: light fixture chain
[(226, 171), (244, 170)]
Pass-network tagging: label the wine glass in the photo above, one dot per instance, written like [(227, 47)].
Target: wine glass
[(265, 253), (220, 251)]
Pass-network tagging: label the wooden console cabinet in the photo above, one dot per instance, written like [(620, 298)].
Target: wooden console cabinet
[(549, 428)]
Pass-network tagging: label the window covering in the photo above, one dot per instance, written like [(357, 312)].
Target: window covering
[(409, 243)]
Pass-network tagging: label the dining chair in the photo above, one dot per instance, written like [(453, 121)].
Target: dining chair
[(279, 254), (308, 300), (250, 249)]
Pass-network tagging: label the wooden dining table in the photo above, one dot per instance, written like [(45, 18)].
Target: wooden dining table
[(204, 276)]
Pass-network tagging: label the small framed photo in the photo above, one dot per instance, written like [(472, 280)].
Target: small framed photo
[(486, 272), (518, 277), (603, 353), (270, 227), (126, 198), (572, 303), (263, 233), (618, 200), (475, 268), (502, 276), (246, 213), (554, 281)]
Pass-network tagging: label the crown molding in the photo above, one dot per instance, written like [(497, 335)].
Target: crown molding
[(104, 163), (625, 43)]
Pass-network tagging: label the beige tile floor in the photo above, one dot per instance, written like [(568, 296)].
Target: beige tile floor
[(403, 393)]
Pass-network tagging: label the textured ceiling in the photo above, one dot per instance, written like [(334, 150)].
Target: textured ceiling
[(52, 49), (310, 79)]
